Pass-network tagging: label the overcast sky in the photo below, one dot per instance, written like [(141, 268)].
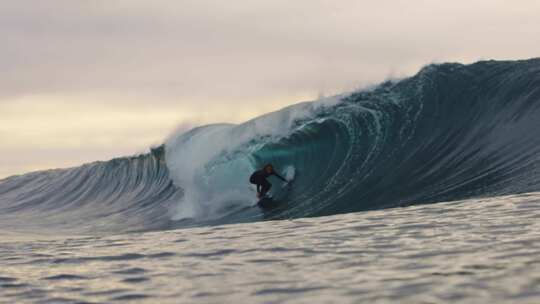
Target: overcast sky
[(85, 80)]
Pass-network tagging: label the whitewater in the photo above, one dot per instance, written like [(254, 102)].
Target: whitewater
[(423, 189)]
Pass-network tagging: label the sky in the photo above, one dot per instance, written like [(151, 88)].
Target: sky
[(85, 80)]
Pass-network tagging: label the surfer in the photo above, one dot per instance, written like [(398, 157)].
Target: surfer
[(259, 178)]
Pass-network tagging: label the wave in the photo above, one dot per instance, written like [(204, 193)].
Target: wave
[(124, 194), (450, 132)]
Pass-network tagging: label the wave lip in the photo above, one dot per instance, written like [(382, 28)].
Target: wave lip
[(450, 132)]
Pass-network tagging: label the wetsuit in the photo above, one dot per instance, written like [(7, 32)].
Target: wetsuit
[(259, 178)]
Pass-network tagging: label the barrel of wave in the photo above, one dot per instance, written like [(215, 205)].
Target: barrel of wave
[(212, 163)]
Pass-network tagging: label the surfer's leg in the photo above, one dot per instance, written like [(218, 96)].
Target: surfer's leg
[(265, 187)]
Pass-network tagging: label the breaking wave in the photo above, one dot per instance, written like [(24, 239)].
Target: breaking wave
[(450, 132)]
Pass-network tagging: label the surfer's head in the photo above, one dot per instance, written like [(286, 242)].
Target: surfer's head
[(268, 168)]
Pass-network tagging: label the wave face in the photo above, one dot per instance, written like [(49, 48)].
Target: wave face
[(124, 194), (450, 132)]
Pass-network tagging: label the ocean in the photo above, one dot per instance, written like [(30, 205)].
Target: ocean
[(418, 190)]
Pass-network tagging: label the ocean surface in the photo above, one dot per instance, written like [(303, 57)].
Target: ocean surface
[(418, 190), (472, 251)]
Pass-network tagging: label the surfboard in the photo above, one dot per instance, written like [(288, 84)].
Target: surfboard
[(267, 203)]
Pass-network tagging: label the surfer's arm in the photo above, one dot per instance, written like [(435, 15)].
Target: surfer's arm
[(281, 177), (259, 188)]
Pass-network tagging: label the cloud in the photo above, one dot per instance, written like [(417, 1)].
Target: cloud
[(201, 58), (245, 49)]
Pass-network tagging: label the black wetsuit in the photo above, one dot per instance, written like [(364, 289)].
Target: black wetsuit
[(259, 178)]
